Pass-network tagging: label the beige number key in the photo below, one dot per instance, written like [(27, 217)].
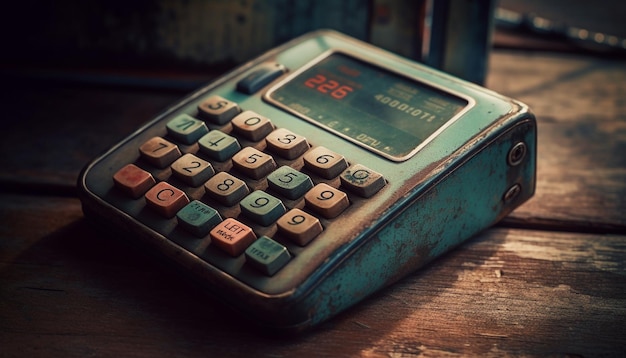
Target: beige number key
[(192, 170), (326, 200), (159, 152), (286, 143), (226, 189), (299, 226), (218, 109), (324, 162), (253, 163), (252, 125)]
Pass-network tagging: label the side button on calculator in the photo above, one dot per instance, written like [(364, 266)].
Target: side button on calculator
[(267, 255), (159, 152), (232, 236), (362, 180), (218, 109), (133, 180), (166, 199), (260, 77)]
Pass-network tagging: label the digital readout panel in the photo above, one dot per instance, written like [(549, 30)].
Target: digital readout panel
[(384, 111)]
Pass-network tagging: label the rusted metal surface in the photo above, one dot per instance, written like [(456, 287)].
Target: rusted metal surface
[(431, 202)]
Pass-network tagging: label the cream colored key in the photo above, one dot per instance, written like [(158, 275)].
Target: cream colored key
[(324, 162), (326, 200), (286, 143), (253, 163)]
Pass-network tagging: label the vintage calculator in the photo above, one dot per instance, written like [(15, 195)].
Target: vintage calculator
[(310, 177)]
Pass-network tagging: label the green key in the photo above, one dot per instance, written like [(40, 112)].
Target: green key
[(267, 255), (186, 129), (261, 207), (219, 145), (289, 182), (198, 218)]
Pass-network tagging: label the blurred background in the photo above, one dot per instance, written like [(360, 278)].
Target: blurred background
[(157, 39)]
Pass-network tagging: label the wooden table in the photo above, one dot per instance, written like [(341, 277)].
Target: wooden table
[(549, 280)]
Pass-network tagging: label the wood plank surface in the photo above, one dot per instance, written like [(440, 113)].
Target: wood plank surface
[(68, 290), (581, 114), (549, 281)]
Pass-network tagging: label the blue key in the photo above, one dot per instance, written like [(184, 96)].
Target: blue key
[(267, 255), (198, 218), (219, 145), (186, 129), (261, 207), (289, 182), (260, 77)]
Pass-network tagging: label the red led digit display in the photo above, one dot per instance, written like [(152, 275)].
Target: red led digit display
[(331, 87), (370, 105)]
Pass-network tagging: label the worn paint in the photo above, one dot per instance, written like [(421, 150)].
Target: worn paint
[(433, 201)]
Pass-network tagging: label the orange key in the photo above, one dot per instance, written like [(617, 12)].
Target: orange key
[(232, 236), (166, 199), (133, 180)]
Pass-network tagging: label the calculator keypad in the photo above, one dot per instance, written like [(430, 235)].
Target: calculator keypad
[(256, 192)]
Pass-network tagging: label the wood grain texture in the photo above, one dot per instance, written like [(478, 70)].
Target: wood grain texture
[(581, 112), (550, 281), (67, 290)]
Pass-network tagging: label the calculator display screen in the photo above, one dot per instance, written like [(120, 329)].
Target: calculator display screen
[(377, 108)]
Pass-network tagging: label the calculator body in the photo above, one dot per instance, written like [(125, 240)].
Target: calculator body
[(446, 160)]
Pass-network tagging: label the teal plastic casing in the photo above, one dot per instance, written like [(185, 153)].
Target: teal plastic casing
[(465, 178)]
